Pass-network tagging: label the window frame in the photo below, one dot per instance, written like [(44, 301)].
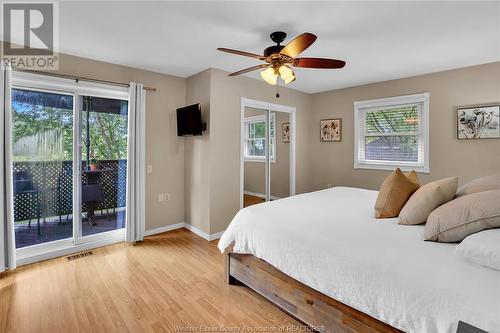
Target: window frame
[(259, 119), (361, 107)]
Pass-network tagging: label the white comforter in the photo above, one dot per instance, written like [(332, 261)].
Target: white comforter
[(330, 241)]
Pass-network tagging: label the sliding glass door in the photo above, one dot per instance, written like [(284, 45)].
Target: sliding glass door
[(42, 161), (69, 162), (104, 164)]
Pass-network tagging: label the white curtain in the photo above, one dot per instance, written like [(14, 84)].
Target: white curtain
[(136, 170), (7, 240)]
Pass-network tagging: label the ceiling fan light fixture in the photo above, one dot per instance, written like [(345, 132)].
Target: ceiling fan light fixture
[(286, 74), (289, 79), (280, 59), (269, 75)]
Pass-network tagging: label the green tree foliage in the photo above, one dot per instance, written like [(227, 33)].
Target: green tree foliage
[(108, 136), (43, 131), (394, 128)]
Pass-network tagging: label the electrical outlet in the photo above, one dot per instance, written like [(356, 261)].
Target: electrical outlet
[(162, 197), (328, 185), (149, 169)]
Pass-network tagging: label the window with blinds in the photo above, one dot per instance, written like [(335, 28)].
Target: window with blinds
[(392, 132)]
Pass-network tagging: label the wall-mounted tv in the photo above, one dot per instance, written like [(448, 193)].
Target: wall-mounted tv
[(189, 120)]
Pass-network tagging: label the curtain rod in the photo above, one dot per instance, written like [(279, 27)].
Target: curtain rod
[(79, 78)]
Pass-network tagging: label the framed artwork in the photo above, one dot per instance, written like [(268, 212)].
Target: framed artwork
[(330, 130), (285, 132), (480, 122)]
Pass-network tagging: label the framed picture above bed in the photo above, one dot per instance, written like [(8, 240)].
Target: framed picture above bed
[(478, 122), (330, 130)]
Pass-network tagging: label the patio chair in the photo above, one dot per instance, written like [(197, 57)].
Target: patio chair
[(23, 186)]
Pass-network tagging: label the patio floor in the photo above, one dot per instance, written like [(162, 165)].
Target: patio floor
[(52, 230)]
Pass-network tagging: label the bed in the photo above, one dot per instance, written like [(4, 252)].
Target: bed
[(328, 242)]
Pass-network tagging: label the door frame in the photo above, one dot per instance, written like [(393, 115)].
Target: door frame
[(252, 103), (77, 242)]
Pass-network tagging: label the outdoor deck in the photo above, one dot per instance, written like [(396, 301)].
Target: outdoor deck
[(43, 191), (52, 229)]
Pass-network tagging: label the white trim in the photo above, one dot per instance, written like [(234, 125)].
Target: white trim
[(252, 103), (255, 119), (260, 195), (216, 235), (268, 156), (31, 254), (360, 106), (258, 159), (166, 228), (202, 234), (246, 102), (68, 86), (193, 229), (77, 168), (391, 101)]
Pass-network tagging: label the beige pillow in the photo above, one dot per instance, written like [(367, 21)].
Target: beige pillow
[(459, 218), (412, 175), (479, 185), (393, 194), (426, 199)]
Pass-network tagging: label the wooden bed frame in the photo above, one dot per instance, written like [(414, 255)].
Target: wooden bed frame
[(298, 300)]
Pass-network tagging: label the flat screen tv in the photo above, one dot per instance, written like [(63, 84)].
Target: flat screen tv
[(189, 120)]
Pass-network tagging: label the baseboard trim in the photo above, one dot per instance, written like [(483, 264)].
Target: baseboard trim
[(166, 228), (216, 235), (193, 229), (261, 195)]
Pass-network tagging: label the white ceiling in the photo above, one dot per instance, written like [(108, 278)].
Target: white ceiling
[(378, 40)]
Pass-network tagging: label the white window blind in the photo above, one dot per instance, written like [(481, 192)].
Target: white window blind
[(392, 132)]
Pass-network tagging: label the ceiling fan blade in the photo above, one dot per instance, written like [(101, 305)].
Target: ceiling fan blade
[(241, 53), (298, 44), (249, 69), (318, 63)]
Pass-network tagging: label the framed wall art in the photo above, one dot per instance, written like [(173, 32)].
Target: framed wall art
[(285, 132), (330, 130), (481, 122)]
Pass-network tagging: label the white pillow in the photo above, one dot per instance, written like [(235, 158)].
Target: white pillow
[(482, 248)]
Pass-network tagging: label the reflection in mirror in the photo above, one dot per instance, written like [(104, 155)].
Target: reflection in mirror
[(255, 127), (254, 156)]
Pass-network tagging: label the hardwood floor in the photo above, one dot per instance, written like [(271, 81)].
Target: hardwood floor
[(249, 200), (170, 281)]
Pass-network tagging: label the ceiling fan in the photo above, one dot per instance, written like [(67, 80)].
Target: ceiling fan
[(280, 58)]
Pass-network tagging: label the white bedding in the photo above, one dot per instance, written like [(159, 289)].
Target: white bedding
[(330, 241)]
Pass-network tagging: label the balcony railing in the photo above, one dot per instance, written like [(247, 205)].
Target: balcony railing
[(50, 192)]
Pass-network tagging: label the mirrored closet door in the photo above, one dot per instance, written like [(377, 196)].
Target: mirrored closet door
[(256, 128), (267, 151)]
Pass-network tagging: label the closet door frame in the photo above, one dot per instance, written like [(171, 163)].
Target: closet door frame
[(268, 107)]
